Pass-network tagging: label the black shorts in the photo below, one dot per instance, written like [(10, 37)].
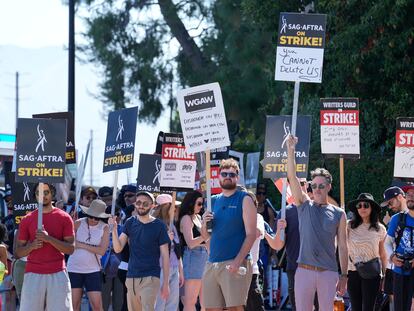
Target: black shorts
[(92, 282), (388, 281)]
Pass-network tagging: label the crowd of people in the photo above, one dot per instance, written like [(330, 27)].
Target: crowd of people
[(157, 253)]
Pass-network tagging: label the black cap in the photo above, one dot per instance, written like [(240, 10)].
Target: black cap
[(105, 191), (88, 190), (390, 193)]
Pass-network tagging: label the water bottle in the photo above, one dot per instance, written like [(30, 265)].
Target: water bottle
[(339, 304)]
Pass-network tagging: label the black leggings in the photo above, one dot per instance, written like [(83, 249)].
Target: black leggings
[(403, 291), (362, 292)]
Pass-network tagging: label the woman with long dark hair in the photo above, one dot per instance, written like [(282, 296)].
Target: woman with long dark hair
[(195, 247), (366, 248)]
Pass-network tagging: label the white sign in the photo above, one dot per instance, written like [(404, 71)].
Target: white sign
[(339, 119), (404, 148), (202, 117)]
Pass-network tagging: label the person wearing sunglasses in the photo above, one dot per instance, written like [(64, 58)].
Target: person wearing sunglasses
[(228, 273), (46, 279), (321, 224), (84, 265), (365, 244), (148, 240), (194, 248)]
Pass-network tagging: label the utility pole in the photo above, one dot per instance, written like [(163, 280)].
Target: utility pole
[(71, 69), (17, 97)]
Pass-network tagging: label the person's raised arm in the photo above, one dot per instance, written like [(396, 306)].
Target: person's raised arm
[(297, 192), (274, 241), (118, 243)]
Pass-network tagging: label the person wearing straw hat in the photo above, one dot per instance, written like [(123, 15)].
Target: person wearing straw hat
[(46, 280), (366, 247), (84, 265)]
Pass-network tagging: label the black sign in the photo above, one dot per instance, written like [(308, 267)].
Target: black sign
[(160, 140), (302, 30), (23, 199), (275, 155), (41, 148), (149, 170), (120, 139), (70, 132), (199, 101)]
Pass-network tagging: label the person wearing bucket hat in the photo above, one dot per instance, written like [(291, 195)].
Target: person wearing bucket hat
[(148, 241), (365, 244), (84, 265), (400, 247)]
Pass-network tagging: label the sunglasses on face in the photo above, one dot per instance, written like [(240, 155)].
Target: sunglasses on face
[(318, 186), (128, 196), (199, 203), (261, 193), (45, 192), (143, 203), (94, 218), (363, 204), (228, 174)]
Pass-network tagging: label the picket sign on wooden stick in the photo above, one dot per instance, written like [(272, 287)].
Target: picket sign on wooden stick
[(114, 192), (40, 207), (172, 209), (293, 132), (342, 181)]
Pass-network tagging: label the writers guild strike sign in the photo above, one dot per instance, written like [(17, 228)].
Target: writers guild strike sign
[(404, 148), (275, 152), (202, 117), (41, 149), (120, 139), (300, 46), (339, 119), (178, 167), (149, 172), (216, 156), (70, 132), (23, 199)]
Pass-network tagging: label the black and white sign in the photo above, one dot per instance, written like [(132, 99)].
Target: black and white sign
[(120, 139), (178, 167), (275, 153), (149, 173), (252, 170), (41, 150), (23, 199), (339, 119), (404, 148), (202, 117), (300, 47), (70, 132)]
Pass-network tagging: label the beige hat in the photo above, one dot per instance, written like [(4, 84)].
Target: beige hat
[(96, 209)]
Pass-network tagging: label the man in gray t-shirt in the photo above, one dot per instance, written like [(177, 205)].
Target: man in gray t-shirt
[(320, 224)]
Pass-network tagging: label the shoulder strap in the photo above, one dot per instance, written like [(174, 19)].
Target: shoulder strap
[(402, 218)]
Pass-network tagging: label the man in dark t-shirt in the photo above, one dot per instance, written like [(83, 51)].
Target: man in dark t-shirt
[(148, 239)]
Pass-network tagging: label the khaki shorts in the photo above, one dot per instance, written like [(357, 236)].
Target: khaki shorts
[(142, 293), (224, 289)]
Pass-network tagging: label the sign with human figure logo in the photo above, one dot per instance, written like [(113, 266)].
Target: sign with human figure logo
[(23, 198), (404, 148), (300, 47), (149, 172), (41, 150), (70, 132), (202, 117), (278, 129), (178, 166), (120, 139)]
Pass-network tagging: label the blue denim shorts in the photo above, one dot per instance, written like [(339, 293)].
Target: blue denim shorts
[(194, 261)]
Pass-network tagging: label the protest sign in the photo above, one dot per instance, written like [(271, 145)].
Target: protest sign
[(239, 157), (202, 117), (178, 167), (300, 47), (404, 148), (70, 132), (339, 120), (120, 139), (216, 156), (275, 152), (41, 149), (160, 140), (23, 199), (252, 170), (149, 170)]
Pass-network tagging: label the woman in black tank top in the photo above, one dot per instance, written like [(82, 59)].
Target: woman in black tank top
[(195, 252)]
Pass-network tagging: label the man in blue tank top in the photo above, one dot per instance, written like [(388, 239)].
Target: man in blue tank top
[(320, 223), (228, 272)]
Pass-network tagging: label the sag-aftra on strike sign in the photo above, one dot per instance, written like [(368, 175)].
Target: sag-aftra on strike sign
[(202, 116)]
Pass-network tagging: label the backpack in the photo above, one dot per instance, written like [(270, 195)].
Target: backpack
[(402, 224)]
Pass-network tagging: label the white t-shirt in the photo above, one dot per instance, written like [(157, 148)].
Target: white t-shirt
[(255, 248)]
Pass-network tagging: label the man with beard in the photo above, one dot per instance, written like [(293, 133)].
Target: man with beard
[(46, 282), (227, 275), (399, 244), (148, 239), (409, 195)]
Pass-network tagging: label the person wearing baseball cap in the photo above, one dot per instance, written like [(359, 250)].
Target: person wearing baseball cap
[(394, 198), (105, 194), (409, 194), (148, 240)]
